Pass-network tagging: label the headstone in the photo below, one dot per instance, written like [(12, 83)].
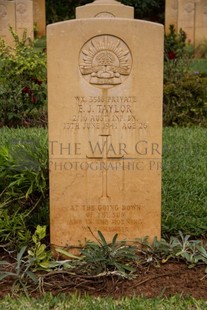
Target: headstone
[(190, 15), (201, 22), (171, 14), (186, 18), (24, 17), (100, 9), (105, 128), (40, 17), (7, 18)]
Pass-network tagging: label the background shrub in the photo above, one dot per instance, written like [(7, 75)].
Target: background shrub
[(201, 49), (23, 90), (185, 102), (177, 55), (185, 92)]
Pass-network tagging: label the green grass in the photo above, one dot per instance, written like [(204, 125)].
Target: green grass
[(73, 302), (184, 185), (12, 134), (40, 44), (184, 199), (199, 65)]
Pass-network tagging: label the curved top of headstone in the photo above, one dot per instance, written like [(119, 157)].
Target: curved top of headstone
[(105, 9), (106, 2)]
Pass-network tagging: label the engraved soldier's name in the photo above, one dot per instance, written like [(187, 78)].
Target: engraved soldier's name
[(99, 112), (104, 105)]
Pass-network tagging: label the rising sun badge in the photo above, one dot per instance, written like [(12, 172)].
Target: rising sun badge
[(105, 61)]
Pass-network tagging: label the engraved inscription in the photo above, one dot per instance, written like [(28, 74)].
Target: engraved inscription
[(108, 217), (21, 8), (174, 4), (105, 15), (3, 17), (105, 61), (189, 7), (21, 15), (24, 17), (99, 112)]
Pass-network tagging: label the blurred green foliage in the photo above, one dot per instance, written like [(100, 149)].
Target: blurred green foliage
[(185, 96), (23, 88), (23, 184), (144, 9)]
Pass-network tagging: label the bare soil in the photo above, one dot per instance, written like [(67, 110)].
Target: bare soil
[(169, 279)]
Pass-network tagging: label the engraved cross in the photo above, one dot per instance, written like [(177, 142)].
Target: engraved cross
[(105, 197)]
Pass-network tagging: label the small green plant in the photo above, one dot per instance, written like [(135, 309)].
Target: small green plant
[(194, 252), (22, 273), (29, 260), (41, 257), (109, 258)]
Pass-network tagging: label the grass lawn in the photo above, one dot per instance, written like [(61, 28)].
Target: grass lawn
[(73, 302), (184, 199), (199, 65)]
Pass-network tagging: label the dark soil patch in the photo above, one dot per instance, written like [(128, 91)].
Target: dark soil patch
[(167, 280)]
